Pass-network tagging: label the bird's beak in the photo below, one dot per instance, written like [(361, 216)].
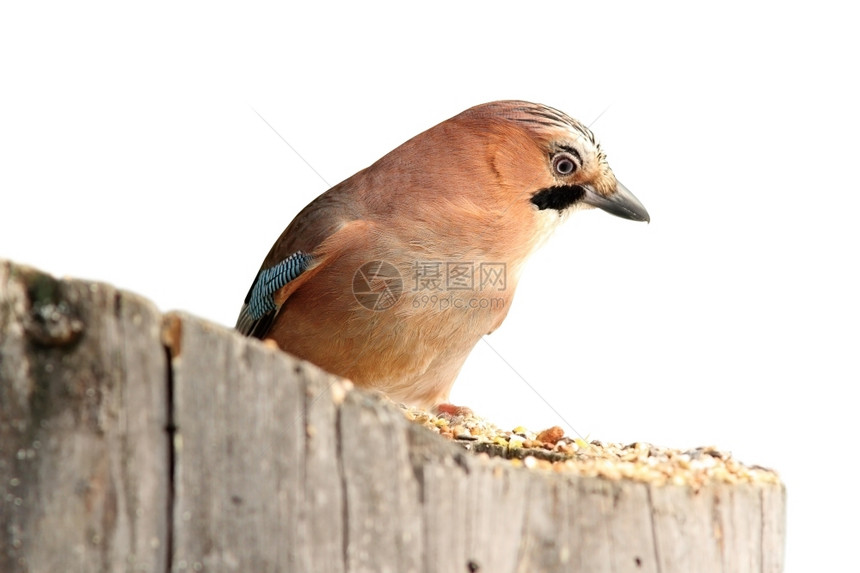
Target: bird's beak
[(622, 203)]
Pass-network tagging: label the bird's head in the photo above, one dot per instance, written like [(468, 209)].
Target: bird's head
[(545, 157)]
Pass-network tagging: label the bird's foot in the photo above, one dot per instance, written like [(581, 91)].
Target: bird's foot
[(452, 410)]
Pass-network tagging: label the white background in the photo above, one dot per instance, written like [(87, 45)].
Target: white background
[(130, 152)]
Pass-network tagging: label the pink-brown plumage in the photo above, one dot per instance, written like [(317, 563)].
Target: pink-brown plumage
[(485, 187)]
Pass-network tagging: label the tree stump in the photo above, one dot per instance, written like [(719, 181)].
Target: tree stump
[(136, 441)]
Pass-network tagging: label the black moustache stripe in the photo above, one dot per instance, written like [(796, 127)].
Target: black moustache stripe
[(558, 198)]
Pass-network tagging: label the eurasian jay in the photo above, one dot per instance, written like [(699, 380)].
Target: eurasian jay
[(392, 276)]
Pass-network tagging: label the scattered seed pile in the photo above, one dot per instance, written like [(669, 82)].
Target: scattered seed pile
[(552, 450)]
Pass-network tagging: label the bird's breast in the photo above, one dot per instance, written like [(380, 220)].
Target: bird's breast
[(403, 322)]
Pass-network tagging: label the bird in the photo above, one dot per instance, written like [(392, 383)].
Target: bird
[(391, 277)]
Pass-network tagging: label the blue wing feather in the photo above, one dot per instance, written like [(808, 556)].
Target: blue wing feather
[(261, 300), (260, 309)]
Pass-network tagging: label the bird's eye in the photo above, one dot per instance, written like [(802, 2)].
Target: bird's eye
[(563, 164)]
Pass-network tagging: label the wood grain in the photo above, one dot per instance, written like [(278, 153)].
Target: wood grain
[(135, 441), (83, 451)]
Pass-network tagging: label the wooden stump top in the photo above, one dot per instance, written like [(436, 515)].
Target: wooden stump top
[(136, 441)]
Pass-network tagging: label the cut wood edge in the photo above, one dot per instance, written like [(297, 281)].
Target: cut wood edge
[(274, 463)]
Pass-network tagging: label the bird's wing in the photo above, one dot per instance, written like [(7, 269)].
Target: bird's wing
[(259, 310), (275, 283)]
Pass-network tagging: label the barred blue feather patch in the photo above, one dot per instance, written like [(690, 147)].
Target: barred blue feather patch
[(270, 280)]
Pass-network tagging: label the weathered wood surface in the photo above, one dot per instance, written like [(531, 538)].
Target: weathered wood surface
[(132, 441), (83, 406)]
